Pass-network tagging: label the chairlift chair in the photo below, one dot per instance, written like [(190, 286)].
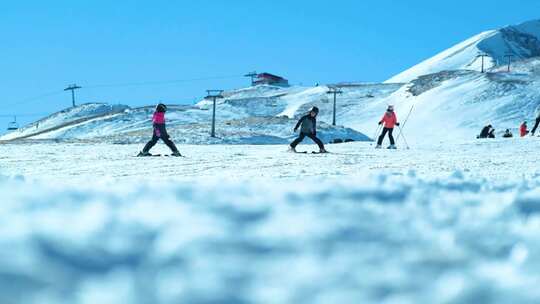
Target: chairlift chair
[(13, 126)]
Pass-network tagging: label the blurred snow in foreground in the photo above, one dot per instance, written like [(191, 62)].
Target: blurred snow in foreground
[(372, 239), (89, 223)]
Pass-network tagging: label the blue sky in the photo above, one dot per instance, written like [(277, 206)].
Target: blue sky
[(101, 45)]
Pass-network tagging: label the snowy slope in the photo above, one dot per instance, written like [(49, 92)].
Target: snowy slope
[(246, 116), (522, 41), (448, 106), (68, 116), (455, 105), (254, 224)]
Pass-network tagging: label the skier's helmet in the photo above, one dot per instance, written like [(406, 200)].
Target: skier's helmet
[(390, 108), (161, 108), (314, 110)]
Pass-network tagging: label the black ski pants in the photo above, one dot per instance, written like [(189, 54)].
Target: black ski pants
[(536, 125), (310, 135), (160, 132), (389, 131)]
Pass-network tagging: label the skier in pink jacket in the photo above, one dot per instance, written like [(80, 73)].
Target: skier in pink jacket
[(160, 132), (389, 120)]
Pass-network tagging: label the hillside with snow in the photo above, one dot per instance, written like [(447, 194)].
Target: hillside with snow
[(256, 115), (445, 106), (444, 98), (455, 105), (521, 41)]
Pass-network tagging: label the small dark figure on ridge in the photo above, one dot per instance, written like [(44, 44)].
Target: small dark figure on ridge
[(508, 134), (487, 132)]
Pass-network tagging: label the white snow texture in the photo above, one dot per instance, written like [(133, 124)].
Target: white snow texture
[(240, 220)]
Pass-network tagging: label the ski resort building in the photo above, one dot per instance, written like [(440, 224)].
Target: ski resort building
[(270, 79)]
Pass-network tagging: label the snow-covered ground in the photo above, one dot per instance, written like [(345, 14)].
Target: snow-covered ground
[(495, 160), (452, 220), (441, 223)]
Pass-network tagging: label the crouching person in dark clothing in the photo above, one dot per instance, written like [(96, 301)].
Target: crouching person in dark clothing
[(160, 132), (487, 132), (308, 128)]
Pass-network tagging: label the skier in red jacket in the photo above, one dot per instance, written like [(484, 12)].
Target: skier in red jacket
[(389, 120), (523, 131)]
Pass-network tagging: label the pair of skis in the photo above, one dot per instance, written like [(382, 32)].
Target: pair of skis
[(159, 155), (312, 152), (387, 148)]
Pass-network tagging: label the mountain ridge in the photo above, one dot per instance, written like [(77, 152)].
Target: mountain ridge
[(522, 41)]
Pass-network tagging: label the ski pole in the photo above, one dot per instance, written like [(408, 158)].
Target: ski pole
[(401, 133), (405, 122), (376, 133)]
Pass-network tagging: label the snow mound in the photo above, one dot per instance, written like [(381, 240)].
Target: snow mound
[(373, 239), (256, 115), (522, 41), (66, 117)]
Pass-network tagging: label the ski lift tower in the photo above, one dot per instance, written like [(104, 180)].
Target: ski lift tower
[(214, 95), (13, 126), (509, 56), (482, 55), (335, 91), (72, 88), (252, 75)]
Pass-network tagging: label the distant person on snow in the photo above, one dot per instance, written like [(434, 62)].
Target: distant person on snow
[(537, 121), (308, 127), (389, 120), (523, 131), (487, 132), (508, 134), (160, 132)]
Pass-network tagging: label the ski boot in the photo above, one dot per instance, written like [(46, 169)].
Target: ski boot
[(378, 147), (392, 147), (143, 154), (176, 154), (291, 149), (322, 151)]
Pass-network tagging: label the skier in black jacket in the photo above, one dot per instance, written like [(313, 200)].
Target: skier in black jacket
[(487, 132), (308, 127)]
